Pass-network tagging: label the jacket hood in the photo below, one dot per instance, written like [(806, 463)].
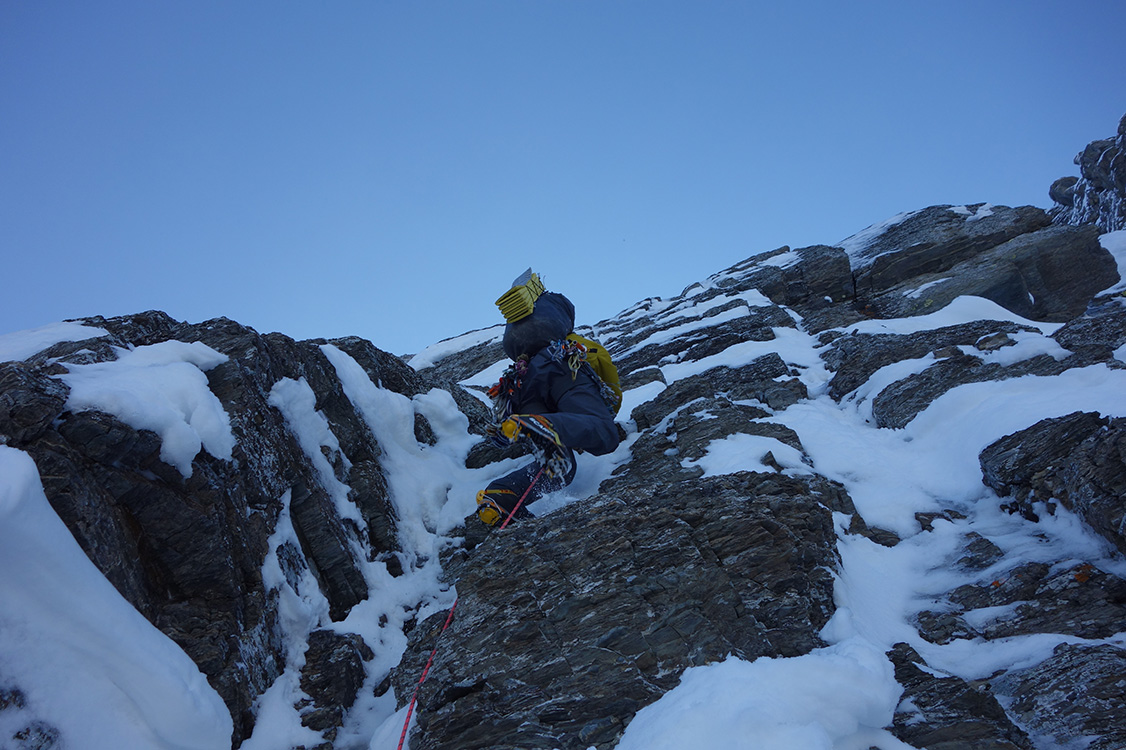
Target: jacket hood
[(552, 319)]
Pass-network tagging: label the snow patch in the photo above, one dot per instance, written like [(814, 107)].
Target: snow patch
[(836, 697), (1115, 244), (783, 260), (918, 291), (793, 346), (89, 664), (297, 403), (965, 309), (695, 324), (23, 344), (982, 211), (1027, 346), (434, 353), (932, 463), (857, 246), (487, 377), (162, 388), (744, 452), (301, 609)]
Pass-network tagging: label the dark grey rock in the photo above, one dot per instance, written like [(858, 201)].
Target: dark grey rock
[(36, 736), (1094, 336), (326, 540), (637, 378), (188, 552), (1073, 697), (703, 340), (900, 402), (856, 357), (948, 713), (466, 363), (32, 733), (331, 678), (568, 624), (980, 553), (805, 278), (1050, 274), (1078, 460), (30, 400), (937, 239), (766, 379), (1079, 600), (1099, 196), (1062, 191), (600, 608)]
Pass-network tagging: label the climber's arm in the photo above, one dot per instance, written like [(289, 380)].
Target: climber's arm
[(582, 419)]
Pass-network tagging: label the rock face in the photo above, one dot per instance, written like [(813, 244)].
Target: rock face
[(1078, 460), (1098, 196), (937, 239), (947, 712), (516, 689), (188, 552), (613, 601), (1077, 693), (725, 525), (594, 626)]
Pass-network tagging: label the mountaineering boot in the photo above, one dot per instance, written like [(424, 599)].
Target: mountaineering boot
[(550, 451), (494, 505)]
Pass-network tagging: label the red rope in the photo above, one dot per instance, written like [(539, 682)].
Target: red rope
[(449, 619), (410, 709), (521, 500)]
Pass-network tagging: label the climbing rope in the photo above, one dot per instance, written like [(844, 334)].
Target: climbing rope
[(449, 619), (410, 710), (520, 502)]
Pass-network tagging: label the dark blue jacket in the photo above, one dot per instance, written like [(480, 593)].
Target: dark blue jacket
[(575, 405)]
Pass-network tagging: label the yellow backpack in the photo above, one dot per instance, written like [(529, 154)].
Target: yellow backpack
[(599, 360)]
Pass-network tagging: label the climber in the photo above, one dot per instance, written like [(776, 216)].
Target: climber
[(551, 396)]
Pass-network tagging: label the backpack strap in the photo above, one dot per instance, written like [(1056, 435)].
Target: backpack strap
[(574, 353)]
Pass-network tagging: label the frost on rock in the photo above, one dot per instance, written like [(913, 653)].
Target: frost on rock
[(1098, 195)]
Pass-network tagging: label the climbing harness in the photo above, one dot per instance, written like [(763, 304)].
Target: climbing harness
[(449, 619), (547, 447)]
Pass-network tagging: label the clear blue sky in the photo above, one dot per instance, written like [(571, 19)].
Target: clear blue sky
[(383, 169)]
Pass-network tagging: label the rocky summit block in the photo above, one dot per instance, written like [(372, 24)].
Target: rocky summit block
[(568, 625), (1098, 196), (1050, 274), (934, 240)]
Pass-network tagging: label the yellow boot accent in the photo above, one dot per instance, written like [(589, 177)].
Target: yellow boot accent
[(488, 510)]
